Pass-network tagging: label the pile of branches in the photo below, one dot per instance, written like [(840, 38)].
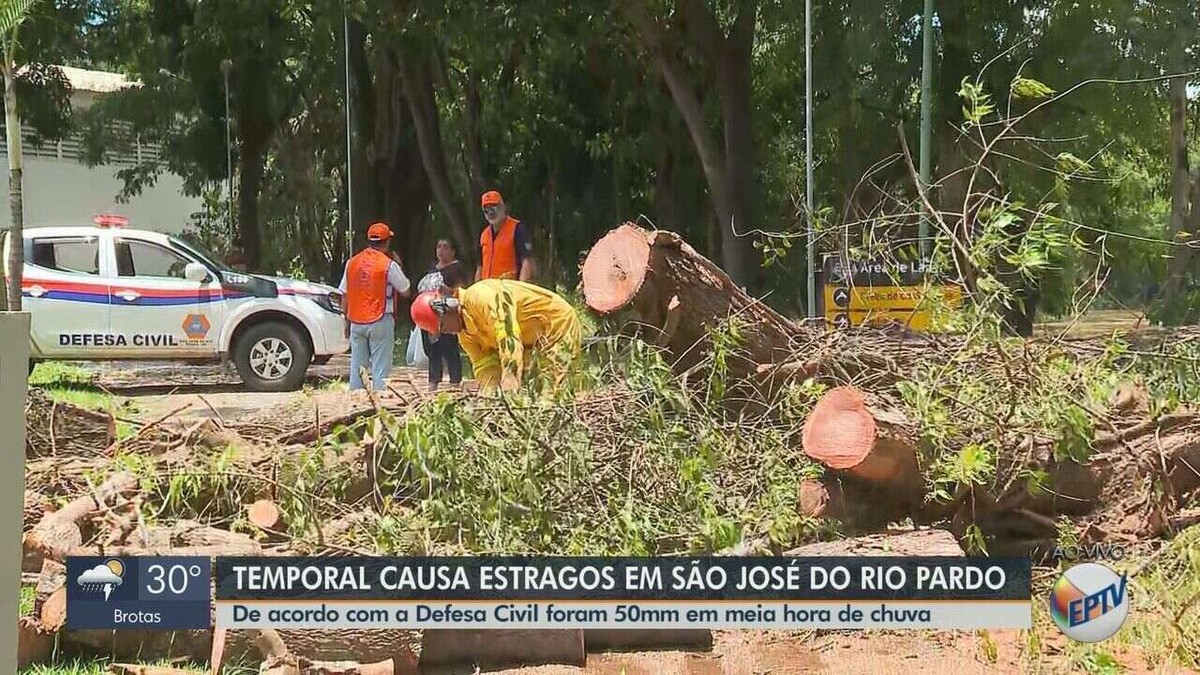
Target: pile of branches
[(199, 489), (998, 437)]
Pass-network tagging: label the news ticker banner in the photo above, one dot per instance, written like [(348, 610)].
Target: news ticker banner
[(551, 593)]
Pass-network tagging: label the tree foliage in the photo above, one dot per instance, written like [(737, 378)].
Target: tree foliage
[(687, 112)]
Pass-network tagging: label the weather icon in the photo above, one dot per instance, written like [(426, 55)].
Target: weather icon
[(103, 577)]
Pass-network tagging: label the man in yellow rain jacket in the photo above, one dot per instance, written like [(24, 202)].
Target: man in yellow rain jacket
[(498, 321)]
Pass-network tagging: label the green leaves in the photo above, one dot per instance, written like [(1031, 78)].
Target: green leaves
[(1024, 87), (1070, 164), (977, 103), (12, 14)]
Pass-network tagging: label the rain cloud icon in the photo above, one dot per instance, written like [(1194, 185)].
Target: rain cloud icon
[(102, 577)]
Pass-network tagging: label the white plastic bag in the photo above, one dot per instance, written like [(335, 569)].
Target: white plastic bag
[(416, 349), (430, 282)]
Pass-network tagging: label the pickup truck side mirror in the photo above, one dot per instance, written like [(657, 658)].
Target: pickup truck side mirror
[(195, 272)]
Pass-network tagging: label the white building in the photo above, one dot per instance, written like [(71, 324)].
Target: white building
[(59, 189)]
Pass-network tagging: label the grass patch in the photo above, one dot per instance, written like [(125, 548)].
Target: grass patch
[(59, 374), (1164, 622), (28, 594), (68, 383), (100, 667)]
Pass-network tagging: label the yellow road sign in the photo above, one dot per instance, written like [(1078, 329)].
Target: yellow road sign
[(852, 298), (911, 306)]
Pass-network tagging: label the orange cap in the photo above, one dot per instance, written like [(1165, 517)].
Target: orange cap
[(491, 198), (379, 232)]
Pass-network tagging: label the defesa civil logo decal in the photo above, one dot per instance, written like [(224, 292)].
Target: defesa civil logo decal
[(1090, 602), (196, 326)]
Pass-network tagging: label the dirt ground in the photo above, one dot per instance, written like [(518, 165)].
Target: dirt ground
[(188, 393), (874, 653)]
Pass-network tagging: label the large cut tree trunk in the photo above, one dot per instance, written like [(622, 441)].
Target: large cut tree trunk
[(677, 298)]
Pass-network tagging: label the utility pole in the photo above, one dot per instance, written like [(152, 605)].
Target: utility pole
[(349, 145), (808, 160), (226, 67), (926, 117)]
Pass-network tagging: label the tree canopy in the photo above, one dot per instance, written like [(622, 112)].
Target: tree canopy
[(687, 113)]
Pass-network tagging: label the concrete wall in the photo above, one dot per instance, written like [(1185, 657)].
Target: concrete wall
[(61, 190), (66, 192)]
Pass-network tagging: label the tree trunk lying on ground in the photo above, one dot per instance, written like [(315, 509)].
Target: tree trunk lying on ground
[(889, 543), (54, 428), (878, 468), (675, 297)]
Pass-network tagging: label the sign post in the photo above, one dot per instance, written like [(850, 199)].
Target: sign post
[(14, 377)]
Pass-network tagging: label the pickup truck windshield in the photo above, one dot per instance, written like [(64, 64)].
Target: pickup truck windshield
[(201, 254)]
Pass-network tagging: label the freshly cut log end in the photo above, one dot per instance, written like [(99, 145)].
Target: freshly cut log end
[(263, 514), (840, 431), (615, 268), (54, 611)]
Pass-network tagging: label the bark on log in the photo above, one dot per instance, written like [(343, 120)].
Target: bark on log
[(858, 508), (58, 429), (890, 543), (402, 647), (860, 437), (34, 645), (677, 296), (646, 639), (278, 659), (33, 509), (502, 648), (365, 646), (53, 614), (58, 532)]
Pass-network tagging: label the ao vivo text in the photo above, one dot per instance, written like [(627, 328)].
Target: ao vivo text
[(1096, 551)]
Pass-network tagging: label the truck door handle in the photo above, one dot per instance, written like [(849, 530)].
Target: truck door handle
[(37, 291), (128, 295)]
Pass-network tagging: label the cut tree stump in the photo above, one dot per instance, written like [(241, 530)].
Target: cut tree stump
[(675, 297), (862, 438), (263, 514), (889, 543)]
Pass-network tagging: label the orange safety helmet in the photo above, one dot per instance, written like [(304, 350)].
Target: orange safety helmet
[(426, 311)]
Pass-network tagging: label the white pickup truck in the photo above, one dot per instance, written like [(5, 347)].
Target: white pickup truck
[(107, 293)]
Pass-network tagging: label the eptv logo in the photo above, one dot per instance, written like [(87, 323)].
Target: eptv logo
[(1089, 602)]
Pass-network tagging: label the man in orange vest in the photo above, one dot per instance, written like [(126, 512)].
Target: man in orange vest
[(372, 280), (506, 251)]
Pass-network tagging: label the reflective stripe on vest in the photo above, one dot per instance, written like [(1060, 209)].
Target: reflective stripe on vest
[(500, 251), (366, 286)]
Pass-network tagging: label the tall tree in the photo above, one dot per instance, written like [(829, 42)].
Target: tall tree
[(727, 153), (13, 13)]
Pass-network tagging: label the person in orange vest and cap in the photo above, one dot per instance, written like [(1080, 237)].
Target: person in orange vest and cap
[(372, 281), (506, 251)]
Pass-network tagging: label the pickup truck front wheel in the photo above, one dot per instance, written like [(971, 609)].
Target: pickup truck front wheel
[(272, 356)]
